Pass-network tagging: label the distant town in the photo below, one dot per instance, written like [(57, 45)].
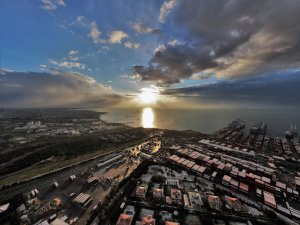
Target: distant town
[(66, 166)]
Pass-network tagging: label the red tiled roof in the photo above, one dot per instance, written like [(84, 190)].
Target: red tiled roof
[(244, 187), (281, 185), (124, 219), (269, 199), (226, 178)]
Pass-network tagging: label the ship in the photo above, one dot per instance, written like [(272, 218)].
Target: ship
[(292, 133), (236, 125), (259, 128)]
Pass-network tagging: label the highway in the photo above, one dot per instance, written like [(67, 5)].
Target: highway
[(60, 177)]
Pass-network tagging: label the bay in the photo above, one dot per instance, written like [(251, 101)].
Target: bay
[(202, 120)]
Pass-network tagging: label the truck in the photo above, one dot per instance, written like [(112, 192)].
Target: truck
[(72, 177), (36, 192), (32, 193), (55, 184), (52, 217), (122, 205), (74, 220)]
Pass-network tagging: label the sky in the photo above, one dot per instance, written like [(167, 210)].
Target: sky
[(190, 53)]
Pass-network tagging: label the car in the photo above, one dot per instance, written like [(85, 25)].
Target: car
[(122, 205)]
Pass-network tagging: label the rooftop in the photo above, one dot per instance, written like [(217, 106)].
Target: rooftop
[(234, 203), (4, 207), (158, 192), (269, 199), (244, 187), (281, 185), (124, 219), (214, 202), (226, 178), (58, 222), (141, 190), (176, 194), (171, 223)]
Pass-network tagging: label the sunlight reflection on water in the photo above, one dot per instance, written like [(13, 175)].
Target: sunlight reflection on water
[(148, 118)]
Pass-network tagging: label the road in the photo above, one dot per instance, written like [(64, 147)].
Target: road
[(60, 177), (66, 186)]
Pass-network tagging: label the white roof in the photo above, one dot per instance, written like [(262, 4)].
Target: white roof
[(4, 207), (21, 208), (59, 222), (44, 222)]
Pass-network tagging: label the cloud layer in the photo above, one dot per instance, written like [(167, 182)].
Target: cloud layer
[(280, 89), (227, 38), (30, 89)]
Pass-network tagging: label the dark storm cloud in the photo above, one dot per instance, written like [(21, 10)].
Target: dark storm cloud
[(174, 61), (277, 89), (30, 89), (235, 38)]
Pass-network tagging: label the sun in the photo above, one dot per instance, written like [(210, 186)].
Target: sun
[(148, 95)]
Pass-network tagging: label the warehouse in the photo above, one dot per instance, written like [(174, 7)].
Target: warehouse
[(269, 199), (226, 180), (82, 199), (281, 185), (234, 184), (244, 188)]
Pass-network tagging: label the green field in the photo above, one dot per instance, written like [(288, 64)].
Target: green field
[(60, 162)]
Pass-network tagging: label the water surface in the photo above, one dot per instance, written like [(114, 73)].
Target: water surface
[(203, 120)]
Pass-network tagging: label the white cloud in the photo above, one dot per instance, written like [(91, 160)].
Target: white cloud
[(95, 33), (134, 76), (103, 49), (60, 2), (116, 36), (165, 9), (140, 28), (52, 4), (67, 64), (68, 61), (73, 52), (129, 44), (79, 19), (5, 71), (43, 66), (74, 57), (175, 42)]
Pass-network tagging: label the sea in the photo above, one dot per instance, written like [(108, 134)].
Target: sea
[(202, 120)]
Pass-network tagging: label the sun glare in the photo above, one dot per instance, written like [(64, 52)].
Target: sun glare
[(148, 95)]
